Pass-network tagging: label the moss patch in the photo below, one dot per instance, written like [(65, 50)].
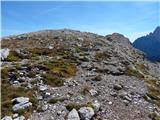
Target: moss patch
[(78, 106), (9, 92), (51, 79), (102, 56), (5, 74), (41, 51), (13, 56), (53, 101), (85, 90), (153, 92), (56, 71), (133, 72), (154, 116)]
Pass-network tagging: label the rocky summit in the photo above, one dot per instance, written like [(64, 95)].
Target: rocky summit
[(72, 75)]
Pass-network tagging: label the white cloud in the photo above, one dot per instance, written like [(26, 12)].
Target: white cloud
[(133, 36)]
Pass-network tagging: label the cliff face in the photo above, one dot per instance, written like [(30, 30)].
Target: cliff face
[(68, 74), (150, 45)]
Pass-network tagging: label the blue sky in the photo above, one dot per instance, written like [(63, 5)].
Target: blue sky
[(133, 19)]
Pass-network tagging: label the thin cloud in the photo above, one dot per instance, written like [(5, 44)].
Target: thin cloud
[(133, 36), (11, 32), (50, 10)]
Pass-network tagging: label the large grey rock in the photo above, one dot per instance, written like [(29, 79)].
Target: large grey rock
[(73, 115), (7, 118), (21, 103), (22, 52), (20, 106), (86, 113), (21, 100), (4, 53)]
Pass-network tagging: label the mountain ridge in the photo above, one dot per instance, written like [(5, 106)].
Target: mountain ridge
[(150, 45)]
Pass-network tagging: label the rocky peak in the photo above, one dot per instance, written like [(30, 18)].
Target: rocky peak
[(118, 38), (157, 31)]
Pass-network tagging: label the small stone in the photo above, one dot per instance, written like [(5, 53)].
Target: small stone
[(86, 113), (80, 98), (96, 105), (122, 93), (114, 94), (44, 107), (47, 94), (59, 113), (16, 82), (73, 115), (110, 103), (126, 102), (15, 115), (29, 85), (39, 97), (38, 77), (42, 88), (22, 79), (125, 96), (117, 87), (50, 47), (97, 78), (21, 73), (93, 92)]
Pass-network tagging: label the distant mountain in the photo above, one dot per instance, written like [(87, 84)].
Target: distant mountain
[(150, 45)]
